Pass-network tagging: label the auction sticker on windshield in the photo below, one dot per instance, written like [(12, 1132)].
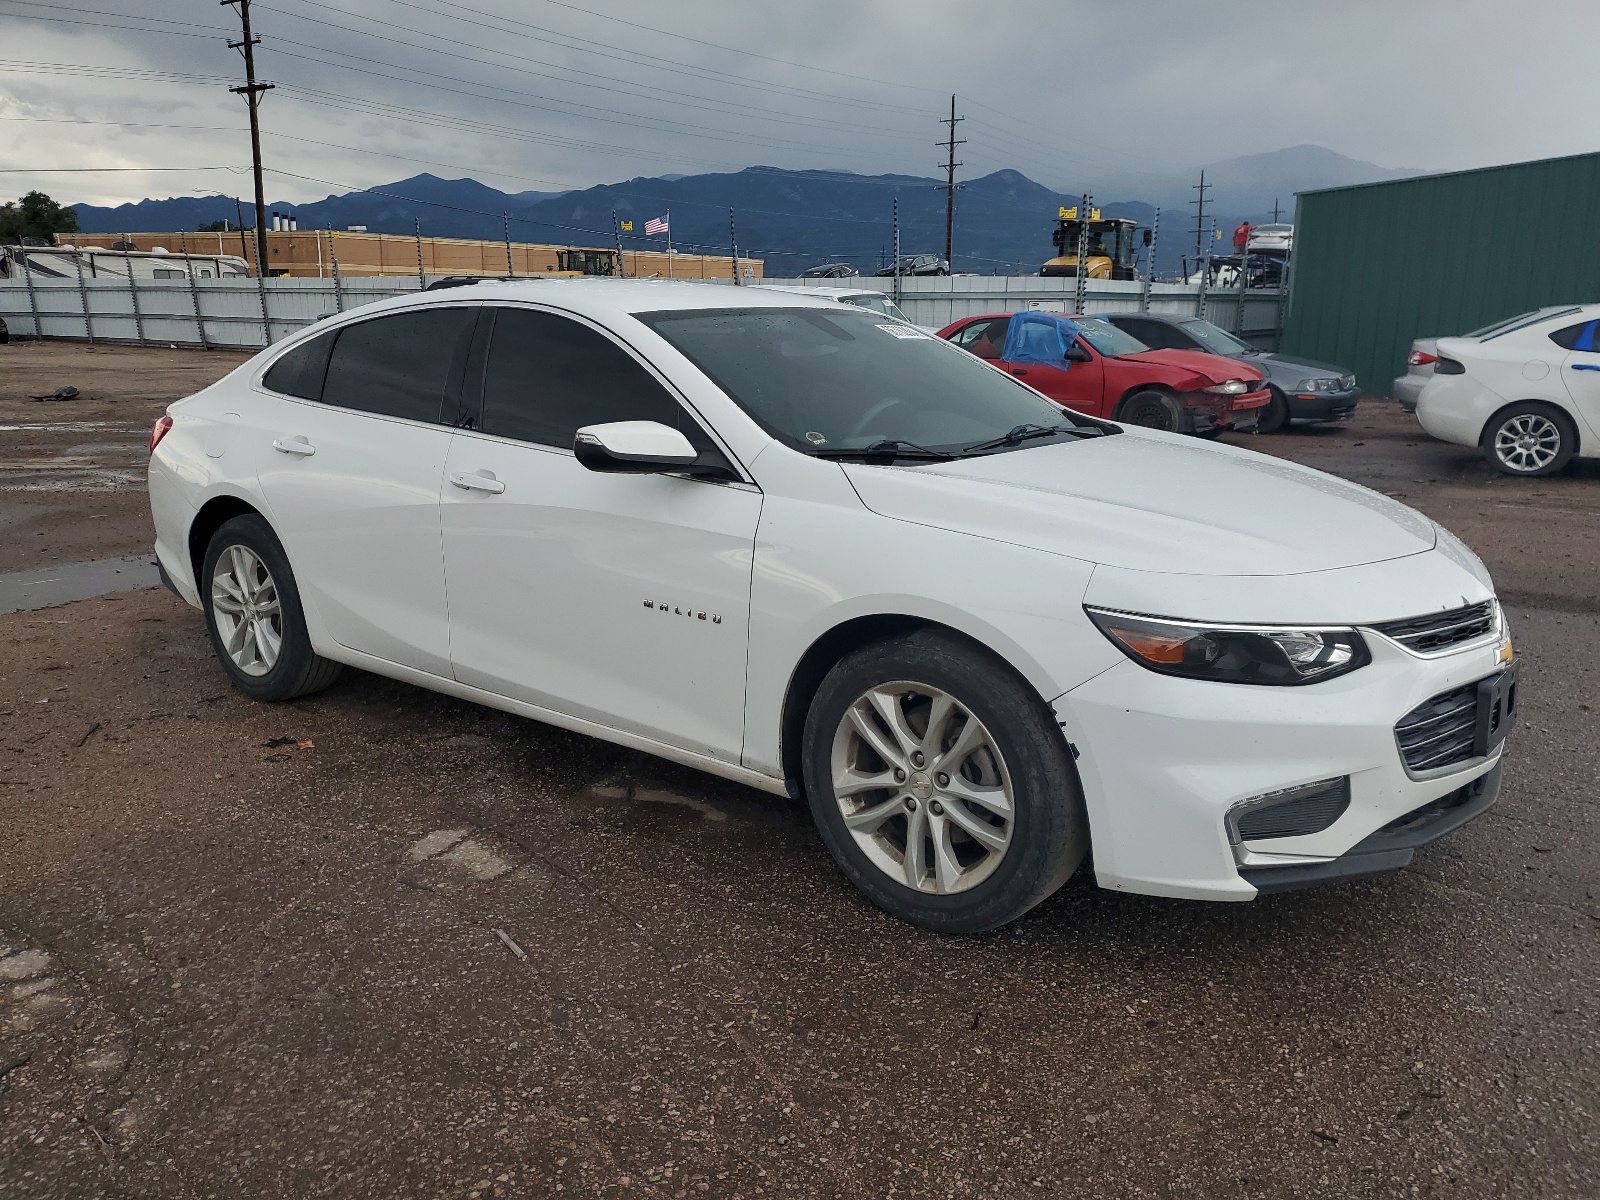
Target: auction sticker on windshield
[(902, 331)]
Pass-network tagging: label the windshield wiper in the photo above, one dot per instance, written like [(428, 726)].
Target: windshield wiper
[(1022, 433), (886, 449)]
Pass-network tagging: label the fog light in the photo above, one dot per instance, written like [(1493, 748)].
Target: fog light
[(1292, 812)]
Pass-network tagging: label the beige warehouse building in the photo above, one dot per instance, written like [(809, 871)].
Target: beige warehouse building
[(309, 253)]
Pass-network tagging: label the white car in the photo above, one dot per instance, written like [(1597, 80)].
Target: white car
[(1526, 391), (818, 552)]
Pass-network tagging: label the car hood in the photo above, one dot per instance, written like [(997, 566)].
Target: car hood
[(1214, 368), (1149, 501)]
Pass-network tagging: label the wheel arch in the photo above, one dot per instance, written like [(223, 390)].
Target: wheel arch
[(1574, 426), (841, 639), (213, 514)]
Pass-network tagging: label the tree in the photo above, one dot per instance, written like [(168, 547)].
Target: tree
[(36, 215), (215, 227)]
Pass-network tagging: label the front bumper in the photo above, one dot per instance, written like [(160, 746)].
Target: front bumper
[(1162, 762), (1391, 847), (1206, 412), (1323, 406)]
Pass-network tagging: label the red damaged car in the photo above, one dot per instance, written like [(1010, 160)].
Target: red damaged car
[(1108, 373)]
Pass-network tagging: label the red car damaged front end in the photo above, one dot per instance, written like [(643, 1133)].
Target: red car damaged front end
[(1217, 393)]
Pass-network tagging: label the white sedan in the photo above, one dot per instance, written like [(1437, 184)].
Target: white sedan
[(813, 550), (1526, 390)]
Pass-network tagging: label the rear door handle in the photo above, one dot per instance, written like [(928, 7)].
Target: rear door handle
[(477, 482), (295, 445)]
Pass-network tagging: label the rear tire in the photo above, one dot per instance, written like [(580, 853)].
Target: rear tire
[(1151, 409), (254, 616), (987, 792), (1530, 439), (1275, 417)]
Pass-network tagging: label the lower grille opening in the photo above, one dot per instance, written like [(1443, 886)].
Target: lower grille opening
[(1293, 812)]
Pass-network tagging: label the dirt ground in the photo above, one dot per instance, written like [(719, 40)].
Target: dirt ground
[(255, 951)]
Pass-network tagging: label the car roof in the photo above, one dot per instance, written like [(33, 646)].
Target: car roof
[(596, 293)]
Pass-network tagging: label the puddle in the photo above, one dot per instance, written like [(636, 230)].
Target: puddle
[(45, 587)]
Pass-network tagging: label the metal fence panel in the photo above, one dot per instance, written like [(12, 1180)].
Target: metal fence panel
[(230, 311)]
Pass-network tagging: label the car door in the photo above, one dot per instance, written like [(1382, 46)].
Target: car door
[(1581, 369), (983, 338), (352, 480), (1075, 385), (614, 598)]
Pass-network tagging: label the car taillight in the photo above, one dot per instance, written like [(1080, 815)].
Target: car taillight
[(158, 431), (1448, 366), (1419, 359)]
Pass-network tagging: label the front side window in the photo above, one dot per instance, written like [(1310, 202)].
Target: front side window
[(823, 381), (399, 365), (548, 376)]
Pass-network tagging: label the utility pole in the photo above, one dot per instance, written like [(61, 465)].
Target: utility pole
[(950, 144), (251, 91), (1200, 212), (1274, 210)]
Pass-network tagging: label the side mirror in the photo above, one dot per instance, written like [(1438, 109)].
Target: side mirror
[(1076, 353), (633, 447)]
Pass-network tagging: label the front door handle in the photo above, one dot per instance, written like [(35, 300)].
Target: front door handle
[(477, 481), (1018, 371), (1586, 366), (295, 445)]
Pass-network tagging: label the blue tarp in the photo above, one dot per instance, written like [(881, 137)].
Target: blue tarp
[(1037, 337)]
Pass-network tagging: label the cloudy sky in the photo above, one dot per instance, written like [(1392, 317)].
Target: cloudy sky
[(552, 94)]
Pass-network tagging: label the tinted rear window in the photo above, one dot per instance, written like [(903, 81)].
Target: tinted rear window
[(300, 372), (1576, 337), (400, 365)]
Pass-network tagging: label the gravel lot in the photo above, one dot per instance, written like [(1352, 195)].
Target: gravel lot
[(253, 951)]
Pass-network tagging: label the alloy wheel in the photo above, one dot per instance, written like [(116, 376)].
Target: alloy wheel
[(1527, 442), (249, 617), (922, 787)]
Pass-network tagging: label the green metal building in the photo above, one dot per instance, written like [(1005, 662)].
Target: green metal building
[(1379, 264)]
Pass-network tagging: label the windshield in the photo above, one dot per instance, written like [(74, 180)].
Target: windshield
[(1108, 339), (877, 304), (823, 381), (1218, 341)]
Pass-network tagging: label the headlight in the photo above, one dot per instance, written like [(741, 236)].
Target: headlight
[(1231, 387), (1279, 655), (1318, 385)]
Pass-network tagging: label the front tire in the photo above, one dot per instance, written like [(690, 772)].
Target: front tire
[(1151, 409), (254, 616), (1275, 417), (940, 783), (1529, 439)]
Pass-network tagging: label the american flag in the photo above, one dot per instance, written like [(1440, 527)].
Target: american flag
[(654, 226)]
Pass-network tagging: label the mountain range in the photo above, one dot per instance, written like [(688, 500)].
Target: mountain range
[(796, 219)]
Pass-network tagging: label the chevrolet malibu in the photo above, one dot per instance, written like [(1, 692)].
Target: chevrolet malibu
[(819, 552)]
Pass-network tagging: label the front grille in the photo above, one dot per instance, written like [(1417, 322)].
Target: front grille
[(1441, 731), (1295, 812), (1437, 631)]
